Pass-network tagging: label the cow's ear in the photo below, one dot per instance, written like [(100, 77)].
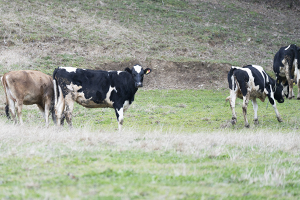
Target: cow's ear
[(147, 71), (128, 70)]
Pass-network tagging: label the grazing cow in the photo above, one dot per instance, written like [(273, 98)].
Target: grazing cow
[(286, 65), (251, 82), (28, 87), (96, 89)]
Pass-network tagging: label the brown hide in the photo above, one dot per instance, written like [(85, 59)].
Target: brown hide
[(27, 87)]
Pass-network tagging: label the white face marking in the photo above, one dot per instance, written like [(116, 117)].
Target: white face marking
[(137, 68), (287, 47), (118, 72)]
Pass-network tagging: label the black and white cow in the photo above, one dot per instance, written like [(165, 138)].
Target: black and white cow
[(251, 82), (286, 65), (96, 89)]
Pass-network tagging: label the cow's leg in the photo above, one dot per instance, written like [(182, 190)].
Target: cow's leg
[(232, 100), (273, 102), (69, 107), (297, 71), (59, 107), (120, 109), (255, 108), (45, 112), (245, 105), (12, 109), (288, 77), (120, 117), (19, 111)]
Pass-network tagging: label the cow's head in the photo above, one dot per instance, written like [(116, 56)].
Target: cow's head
[(138, 73), (278, 93)]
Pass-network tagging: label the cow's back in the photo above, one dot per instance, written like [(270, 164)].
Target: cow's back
[(28, 85), (288, 53), (101, 87)]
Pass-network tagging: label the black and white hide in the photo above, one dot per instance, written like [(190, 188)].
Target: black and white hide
[(251, 82), (286, 66), (96, 89)]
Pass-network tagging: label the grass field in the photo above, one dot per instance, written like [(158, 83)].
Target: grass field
[(176, 144)]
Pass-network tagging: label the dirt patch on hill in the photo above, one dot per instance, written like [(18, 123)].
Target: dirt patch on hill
[(178, 75)]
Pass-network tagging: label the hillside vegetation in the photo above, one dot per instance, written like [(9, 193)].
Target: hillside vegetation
[(42, 35)]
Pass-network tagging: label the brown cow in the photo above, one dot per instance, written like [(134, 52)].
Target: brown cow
[(28, 87)]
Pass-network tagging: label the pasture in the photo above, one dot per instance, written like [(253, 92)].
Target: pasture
[(176, 144), (177, 140)]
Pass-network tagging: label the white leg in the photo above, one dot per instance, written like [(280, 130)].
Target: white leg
[(255, 108), (69, 109), (120, 118), (274, 106), (297, 71), (12, 109), (288, 78), (59, 107), (232, 100), (245, 105)]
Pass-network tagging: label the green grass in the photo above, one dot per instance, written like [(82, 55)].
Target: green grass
[(139, 175), (175, 144), (182, 110)]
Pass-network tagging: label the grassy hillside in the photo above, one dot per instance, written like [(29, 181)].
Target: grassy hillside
[(44, 34)]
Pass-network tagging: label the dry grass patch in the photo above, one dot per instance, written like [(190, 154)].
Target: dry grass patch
[(156, 164), (201, 144)]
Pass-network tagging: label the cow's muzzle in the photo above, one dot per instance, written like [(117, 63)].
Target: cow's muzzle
[(138, 84), (281, 100)]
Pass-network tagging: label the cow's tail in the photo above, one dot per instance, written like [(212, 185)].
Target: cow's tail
[(3, 81), (230, 77), (58, 102)]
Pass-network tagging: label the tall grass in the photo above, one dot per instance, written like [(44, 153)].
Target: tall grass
[(81, 163)]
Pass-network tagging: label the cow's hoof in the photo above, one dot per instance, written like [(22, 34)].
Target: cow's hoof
[(256, 122), (298, 98), (233, 121), (247, 125), (279, 119)]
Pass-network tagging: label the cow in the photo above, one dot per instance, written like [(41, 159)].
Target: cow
[(251, 82), (28, 87), (96, 89), (286, 66)]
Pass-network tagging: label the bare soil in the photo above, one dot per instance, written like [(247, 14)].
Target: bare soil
[(178, 75)]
